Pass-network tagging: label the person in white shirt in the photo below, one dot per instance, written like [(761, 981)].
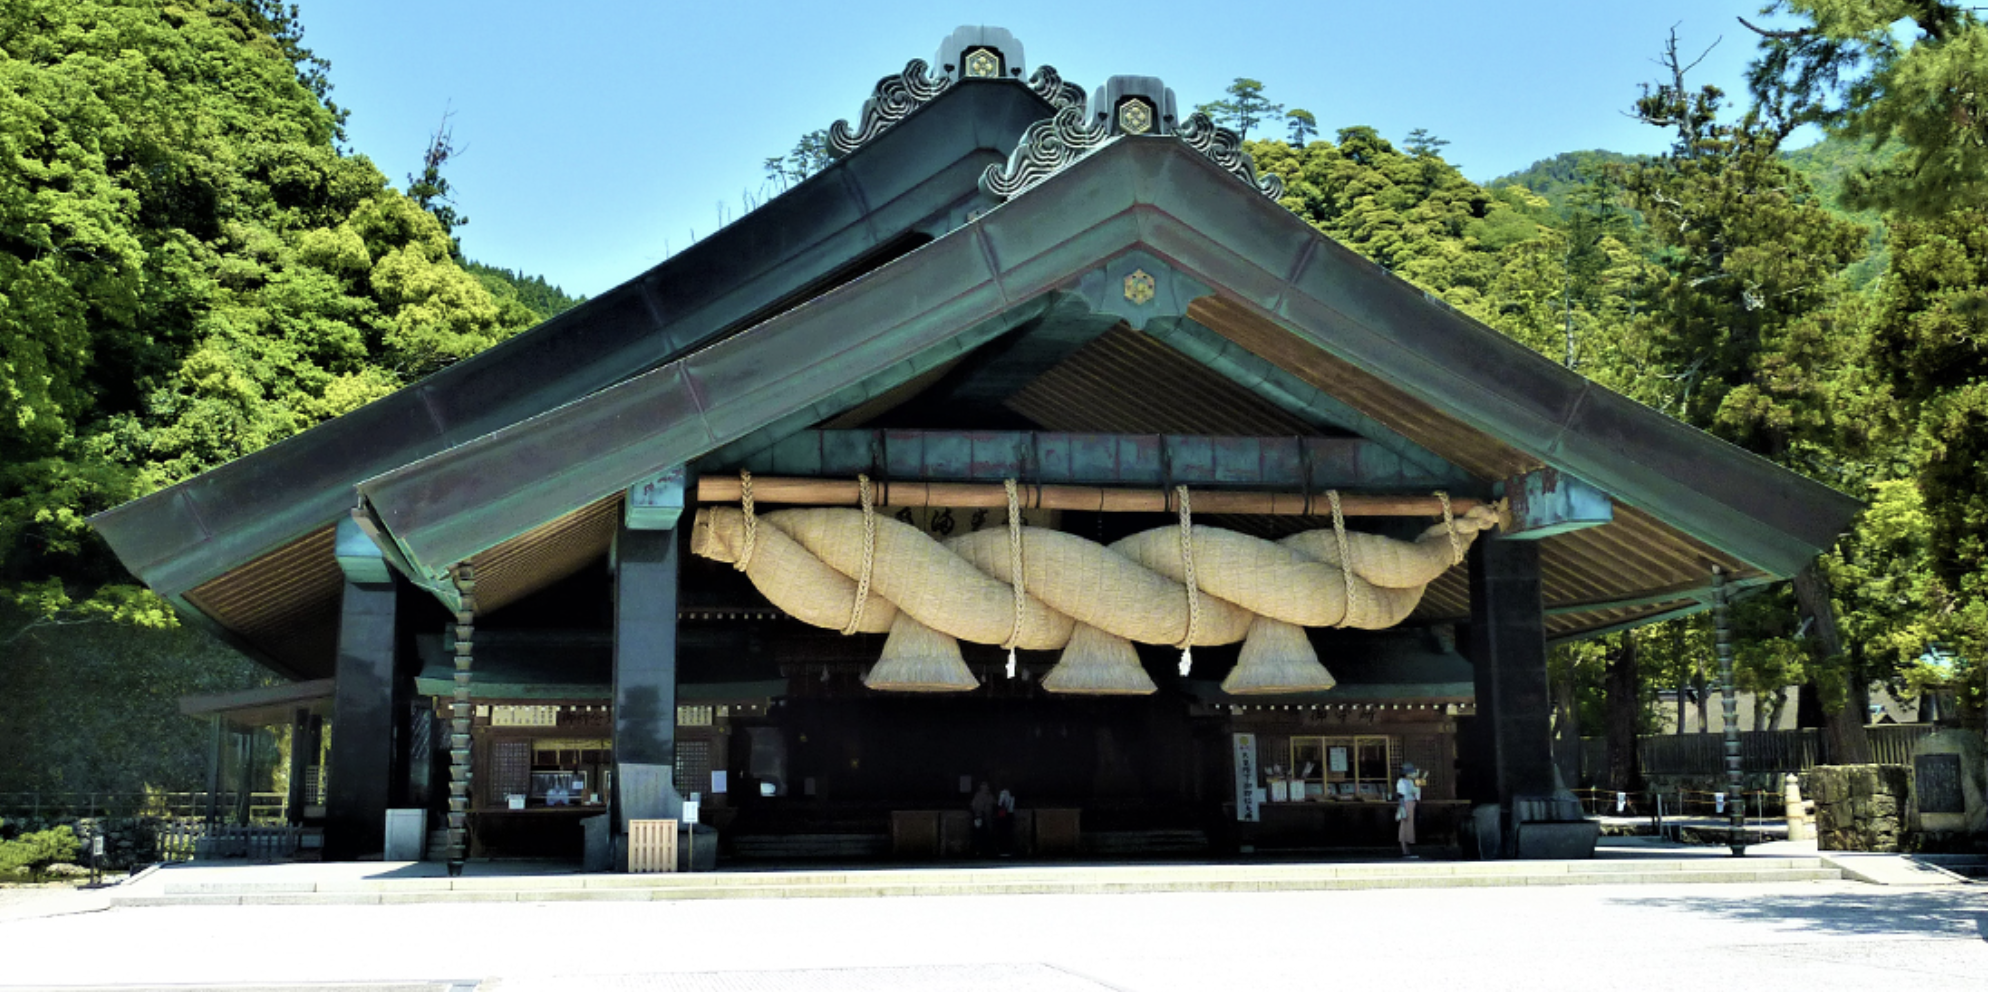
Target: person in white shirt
[(1408, 795)]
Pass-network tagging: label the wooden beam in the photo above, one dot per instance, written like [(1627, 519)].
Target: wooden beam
[(844, 492)]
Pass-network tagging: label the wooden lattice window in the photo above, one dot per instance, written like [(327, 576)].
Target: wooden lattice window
[(511, 768), (692, 769)]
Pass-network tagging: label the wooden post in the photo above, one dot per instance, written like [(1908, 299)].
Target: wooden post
[(460, 721), (1732, 745), (1096, 499), (213, 812)]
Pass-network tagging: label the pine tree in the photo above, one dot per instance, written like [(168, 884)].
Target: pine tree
[(1244, 107)]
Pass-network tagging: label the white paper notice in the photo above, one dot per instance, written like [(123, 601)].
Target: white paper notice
[(719, 781), (1338, 759)]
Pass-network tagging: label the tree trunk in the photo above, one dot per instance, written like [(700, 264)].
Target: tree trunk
[(1846, 727), (1568, 746), (1681, 708), (1622, 715), (1701, 700)]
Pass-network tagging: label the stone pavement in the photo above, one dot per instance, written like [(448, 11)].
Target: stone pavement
[(1786, 937), (1620, 861)]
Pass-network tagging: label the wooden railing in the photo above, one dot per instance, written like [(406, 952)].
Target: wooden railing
[(264, 807), (1763, 750)]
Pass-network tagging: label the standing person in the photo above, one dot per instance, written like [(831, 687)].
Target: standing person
[(1408, 795), (1006, 822), (981, 810)]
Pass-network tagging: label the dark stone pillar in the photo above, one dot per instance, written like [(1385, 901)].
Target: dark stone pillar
[(1510, 669), (646, 675), (1515, 764), (366, 705)]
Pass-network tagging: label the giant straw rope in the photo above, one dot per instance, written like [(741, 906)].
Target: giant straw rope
[(1033, 588)]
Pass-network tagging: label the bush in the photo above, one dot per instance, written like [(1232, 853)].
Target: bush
[(35, 852)]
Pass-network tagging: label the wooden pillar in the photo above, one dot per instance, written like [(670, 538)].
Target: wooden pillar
[(646, 676), (216, 735), (245, 774), (364, 712), (294, 794)]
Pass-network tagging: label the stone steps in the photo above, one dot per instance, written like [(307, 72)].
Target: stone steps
[(1075, 880)]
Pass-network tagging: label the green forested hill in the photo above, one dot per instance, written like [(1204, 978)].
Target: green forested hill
[(191, 268), (1554, 177), (534, 293)]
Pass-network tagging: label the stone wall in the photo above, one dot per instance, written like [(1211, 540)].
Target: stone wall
[(1860, 807), (129, 842)]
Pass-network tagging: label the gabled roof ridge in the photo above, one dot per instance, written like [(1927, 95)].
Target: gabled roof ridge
[(1128, 195)]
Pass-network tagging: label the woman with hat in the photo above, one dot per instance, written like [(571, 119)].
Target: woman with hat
[(1408, 795)]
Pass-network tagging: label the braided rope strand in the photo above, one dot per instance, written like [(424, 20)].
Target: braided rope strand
[(1446, 505), (871, 549), (1189, 578), (747, 511), (1016, 576), (1342, 549)]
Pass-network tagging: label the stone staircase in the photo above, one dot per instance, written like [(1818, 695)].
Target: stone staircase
[(324, 888)]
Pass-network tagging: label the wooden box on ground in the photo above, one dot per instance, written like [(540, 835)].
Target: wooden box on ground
[(653, 845), (1057, 832)]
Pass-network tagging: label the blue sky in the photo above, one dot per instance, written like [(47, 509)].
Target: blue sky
[(598, 137)]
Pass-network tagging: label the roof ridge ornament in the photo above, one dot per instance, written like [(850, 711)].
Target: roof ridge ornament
[(1049, 146), (892, 99), (1046, 82), (1227, 148), (1046, 148), (971, 52)]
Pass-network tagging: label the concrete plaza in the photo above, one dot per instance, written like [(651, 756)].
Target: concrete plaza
[(1799, 936)]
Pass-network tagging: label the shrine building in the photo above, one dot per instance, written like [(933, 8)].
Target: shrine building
[(1031, 442)]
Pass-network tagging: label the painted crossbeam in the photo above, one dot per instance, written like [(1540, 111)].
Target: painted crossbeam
[(1058, 458), (844, 492)]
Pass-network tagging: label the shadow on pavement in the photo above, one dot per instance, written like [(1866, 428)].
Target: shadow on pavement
[(1954, 912)]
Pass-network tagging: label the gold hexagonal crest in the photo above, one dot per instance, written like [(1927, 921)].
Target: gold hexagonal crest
[(982, 64), (1138, 287), (1136, 118)]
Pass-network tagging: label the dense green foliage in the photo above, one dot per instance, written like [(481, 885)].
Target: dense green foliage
[(190, 269), (1721, 283), (32, 853), (1849, 69)]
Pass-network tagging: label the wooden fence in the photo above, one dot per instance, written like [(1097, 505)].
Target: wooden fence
[(264, 807), (1763, 750)]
